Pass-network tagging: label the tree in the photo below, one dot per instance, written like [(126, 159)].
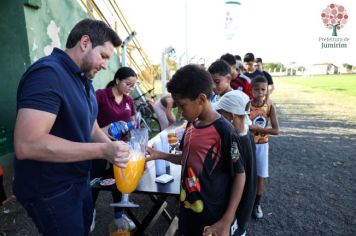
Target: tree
[(272, 66), (347, 66), (334, 17)]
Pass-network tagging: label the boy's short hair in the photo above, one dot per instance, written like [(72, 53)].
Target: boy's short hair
[(235, 101), (259, 60), (259, 79), (249, 57), (98, 31), (190, 81), (219, 67), (237, 58), (229, 58)]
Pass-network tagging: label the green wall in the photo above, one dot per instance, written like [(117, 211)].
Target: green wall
[(29, 29), (13, 60)]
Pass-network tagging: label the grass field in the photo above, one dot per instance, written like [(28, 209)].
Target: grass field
[(340, 84)]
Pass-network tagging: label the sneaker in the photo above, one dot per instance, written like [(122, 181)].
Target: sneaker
[(257, 212), (131, 223), (92, 226)]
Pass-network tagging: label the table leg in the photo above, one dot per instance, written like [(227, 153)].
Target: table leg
[(151, 218), (166, 214)]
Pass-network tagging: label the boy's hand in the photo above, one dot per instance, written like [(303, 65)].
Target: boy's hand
[(253, 128), (152, 154), (220, 228)]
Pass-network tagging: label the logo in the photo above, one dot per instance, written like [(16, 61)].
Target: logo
[(235, 153), (334, 17)]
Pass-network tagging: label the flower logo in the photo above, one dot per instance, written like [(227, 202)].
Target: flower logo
[(334, 17)]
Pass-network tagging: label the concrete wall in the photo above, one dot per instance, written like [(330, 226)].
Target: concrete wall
[(29, 29)]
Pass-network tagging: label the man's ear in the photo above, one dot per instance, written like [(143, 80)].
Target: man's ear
[(84, 42)]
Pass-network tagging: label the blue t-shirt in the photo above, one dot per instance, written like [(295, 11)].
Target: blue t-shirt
[(55, 84)]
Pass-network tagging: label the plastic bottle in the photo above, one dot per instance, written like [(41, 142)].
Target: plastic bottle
[(119, 226), (119, 129)]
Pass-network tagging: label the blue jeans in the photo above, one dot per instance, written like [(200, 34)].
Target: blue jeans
[(68, 212)]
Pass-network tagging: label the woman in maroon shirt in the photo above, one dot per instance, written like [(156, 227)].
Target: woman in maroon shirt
[(114, 104)]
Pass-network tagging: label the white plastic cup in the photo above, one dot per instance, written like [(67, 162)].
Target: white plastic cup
[(160, 166), (164, 142), (165, 146)]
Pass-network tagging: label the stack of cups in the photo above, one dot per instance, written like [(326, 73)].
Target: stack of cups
[(160, 165), (165, 146)]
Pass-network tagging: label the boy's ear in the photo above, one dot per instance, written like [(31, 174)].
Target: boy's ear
[(202, 98)]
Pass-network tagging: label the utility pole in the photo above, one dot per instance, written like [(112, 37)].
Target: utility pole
[(124, 47)]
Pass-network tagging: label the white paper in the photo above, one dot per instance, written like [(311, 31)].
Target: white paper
[(163, 179)]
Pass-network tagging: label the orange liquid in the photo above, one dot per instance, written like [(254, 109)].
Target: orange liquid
[(127, 179), (121, 233), (172, 138)]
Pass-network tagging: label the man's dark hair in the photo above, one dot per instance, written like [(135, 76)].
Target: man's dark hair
[(249, 57), (121, 74), (259, 59), (219, 67), (237, 58), (229, 58), (190, 81), (98, 31), (258, 79)]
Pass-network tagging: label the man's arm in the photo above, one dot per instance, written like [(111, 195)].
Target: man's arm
[(99, 135), (33, 141)]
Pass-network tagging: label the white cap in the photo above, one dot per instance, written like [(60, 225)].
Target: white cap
[(235, 101)]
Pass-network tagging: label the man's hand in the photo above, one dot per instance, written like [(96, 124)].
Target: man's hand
[(118, 153)]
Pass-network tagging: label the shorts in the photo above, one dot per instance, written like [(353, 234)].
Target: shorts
[(262, 160)]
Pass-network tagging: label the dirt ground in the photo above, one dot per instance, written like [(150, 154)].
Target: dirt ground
[(312, 186)]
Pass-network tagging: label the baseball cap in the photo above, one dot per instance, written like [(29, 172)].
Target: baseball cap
[(235, 101)]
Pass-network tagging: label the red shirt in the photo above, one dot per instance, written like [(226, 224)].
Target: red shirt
[(242, 83), (109, 111)]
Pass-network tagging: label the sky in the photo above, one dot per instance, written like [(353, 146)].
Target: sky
[(280, 31)]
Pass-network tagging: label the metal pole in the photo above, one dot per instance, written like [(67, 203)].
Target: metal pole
[(164, 72), (123, 55), (124, 47)]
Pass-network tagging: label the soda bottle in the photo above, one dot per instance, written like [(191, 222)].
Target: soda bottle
[(119, 129), (119, 226)]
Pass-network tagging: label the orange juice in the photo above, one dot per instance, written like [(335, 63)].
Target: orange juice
[(172, 138), (121, 233), (127, 179)]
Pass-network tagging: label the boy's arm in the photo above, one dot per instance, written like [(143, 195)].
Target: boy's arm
[(222, 227), (274, 130), (154, 155)]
